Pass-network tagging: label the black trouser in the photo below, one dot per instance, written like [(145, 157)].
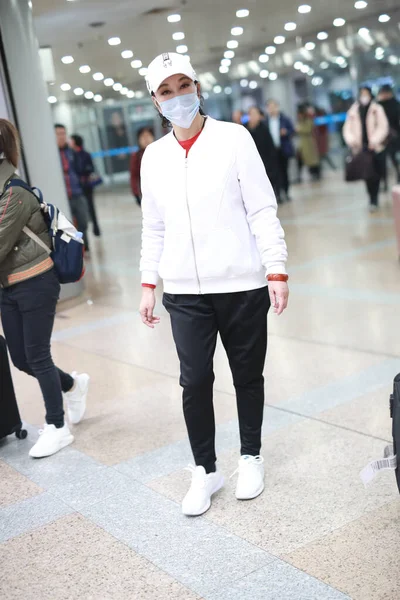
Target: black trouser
[(89, 195), (373, 182), (80, 213), (392, 151), (27, 312), (283, 172), (241, 320)]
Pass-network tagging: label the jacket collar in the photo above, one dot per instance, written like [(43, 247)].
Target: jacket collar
[(6, 171)]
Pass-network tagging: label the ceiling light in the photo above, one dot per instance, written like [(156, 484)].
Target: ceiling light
[(206, 95), (237, 30), (85, 69), (179, 35), (228, 91), (65, 87), (310, 72), (393, 60), (223, 69), (130, 94), (226, 62), (324, 65), (322, 35), (263, 58), (360, 4), (253, 85), (124, 91), (304, 68), (217, 89), (139, 94), (136, 64), (52, 99), (229, 54), (78, 91), (340, 60), (304, 9), (89, 95), (317, 81), (379, 56), (297, 65), (127, 54), (279, 39), (243, 12), (244, 83), (339, 22), (109, 82), (143, 71), (174, 18), (67, 60), (182, 49), (98, 98), (98, 76), (273, 76), (232, 44), (264, 73), (379, 50), (310, 46), (114, 41), (270, 50), (117, 87), (290, 26), (384, 18)]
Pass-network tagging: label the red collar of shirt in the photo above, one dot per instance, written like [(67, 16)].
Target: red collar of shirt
[(187, 144)]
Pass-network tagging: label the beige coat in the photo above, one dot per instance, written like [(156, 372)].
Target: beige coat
[(377, 127), (307, 144)]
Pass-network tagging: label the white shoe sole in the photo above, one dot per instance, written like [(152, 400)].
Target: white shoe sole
[(255, 495), (219, 485), (71, 417), (65, 442)]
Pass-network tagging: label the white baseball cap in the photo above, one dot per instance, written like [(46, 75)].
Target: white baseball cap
[(164, 66)]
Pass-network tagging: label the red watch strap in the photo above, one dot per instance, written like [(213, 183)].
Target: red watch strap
[(149, 285)]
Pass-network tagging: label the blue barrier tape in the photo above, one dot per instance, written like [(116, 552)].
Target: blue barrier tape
[(115, 152), (329, 119)]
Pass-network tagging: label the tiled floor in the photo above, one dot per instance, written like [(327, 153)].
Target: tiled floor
[(101, 520)]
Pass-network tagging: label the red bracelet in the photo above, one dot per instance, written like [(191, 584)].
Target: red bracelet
[(149, 285), (278, 277)]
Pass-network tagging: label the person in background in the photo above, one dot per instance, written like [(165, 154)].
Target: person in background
[(85, 168), (366, 130), (281, 129), (322, 137), (391, 107), (265, 147), (77, 201), (145, 137), (30, 291), (237, 117), (307, 148)]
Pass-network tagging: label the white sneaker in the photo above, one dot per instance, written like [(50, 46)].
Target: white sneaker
[(251, 477), (198, 499), (76, 398), (51, 440)]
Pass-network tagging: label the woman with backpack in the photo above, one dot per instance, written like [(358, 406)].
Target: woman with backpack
[(29, 299)]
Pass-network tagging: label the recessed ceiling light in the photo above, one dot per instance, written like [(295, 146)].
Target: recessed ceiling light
[(78, 91), (226, 62), (324, 65), (393, 60), (264, 73), (304, 68), (310, 46), (279, 39), (317, 81), (363, 31), (244, 83), (223, 69), (139, 94), (339, 22), (232, 44), (109, 82), (270, 49), (229, 54), (130, 94), (143, 71), (253, 85), (98, 98), (65, 87), (310, 72), (228, 90), (124, 91), (290, 26), (114, 41), (52, 99), (263, 58), (384, 18), (127, 54), (297, 65), (217, 89), (237, 30), (67, 60), (117, 87), (136, 64), (182, 49), (174, 18), (304, 9), (242, 13), (85, 69), (89, 95), (179, 35), (360, 4), (273, 76), (340, 60), (98, 76)]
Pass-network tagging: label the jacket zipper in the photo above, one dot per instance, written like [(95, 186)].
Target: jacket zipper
[(190, 224)]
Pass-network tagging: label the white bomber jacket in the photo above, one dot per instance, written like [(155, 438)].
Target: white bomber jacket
[(209, 220)]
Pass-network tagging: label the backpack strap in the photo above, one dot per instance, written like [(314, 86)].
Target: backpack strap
[(36, 239), (22, 184)]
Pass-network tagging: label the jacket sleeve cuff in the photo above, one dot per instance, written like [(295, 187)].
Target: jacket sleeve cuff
[(276, 269), (150, 277)]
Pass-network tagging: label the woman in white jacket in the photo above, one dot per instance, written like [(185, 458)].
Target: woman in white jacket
[(211, 232)]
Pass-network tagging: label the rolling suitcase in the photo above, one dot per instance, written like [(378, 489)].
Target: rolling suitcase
[(10, 420)]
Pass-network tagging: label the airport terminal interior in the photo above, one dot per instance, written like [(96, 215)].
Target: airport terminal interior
[(102, 519)]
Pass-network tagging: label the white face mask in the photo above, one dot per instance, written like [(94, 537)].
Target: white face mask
[(181, 110), (365, 100)]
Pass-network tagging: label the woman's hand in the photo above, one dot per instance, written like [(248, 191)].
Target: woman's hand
[(147, 305), (279, 295)]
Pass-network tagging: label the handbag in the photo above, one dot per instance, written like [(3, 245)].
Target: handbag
[(94, 180), (360, 166)]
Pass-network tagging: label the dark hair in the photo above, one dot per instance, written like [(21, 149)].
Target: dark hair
[(164, 121), (59, 126), (259, 110), (386, 89), (143, 130), (78, 139), (368, 89), (9, 142)]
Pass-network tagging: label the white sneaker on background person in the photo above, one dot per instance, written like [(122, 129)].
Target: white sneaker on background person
[(77, 397), (51, 440), (251, 477), (198, 499)]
